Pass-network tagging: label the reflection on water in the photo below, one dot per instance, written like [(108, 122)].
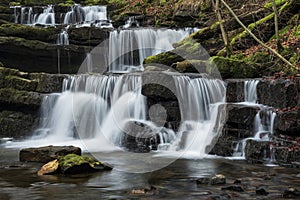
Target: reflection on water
[(176, 181)]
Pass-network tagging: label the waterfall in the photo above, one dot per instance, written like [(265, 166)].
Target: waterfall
[(131, 22), (250, 91), (47, 17), (97, 108), (264, 123), (201, 115), (87, 16), (128, 48), (63, 37)]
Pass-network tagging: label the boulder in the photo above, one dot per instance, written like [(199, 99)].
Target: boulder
[(73, 164), (140, 137), (218, 179), (47, 153), (231, 68)]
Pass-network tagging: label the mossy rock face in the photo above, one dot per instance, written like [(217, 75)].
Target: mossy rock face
[(16, 124), (17, 83), (74, 164), (48, 83), (230, 68), (192, 66), (165, 58), (29, 32), (20, 99)]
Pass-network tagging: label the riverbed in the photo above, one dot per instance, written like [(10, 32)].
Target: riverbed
[(176, 181)]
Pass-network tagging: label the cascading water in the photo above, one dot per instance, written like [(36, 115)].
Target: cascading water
[(87, 16), (201, 115), (128, 48), (131, 22), (264, 123), (250, 91)]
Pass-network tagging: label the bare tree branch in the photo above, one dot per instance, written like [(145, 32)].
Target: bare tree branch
[(254, 37)]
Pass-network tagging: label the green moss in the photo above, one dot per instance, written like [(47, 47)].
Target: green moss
[(8, 71), (19, 97), (29, 32), (17, 83), (231, 68), (73, 159), (67, 3), (277, 2), (251, 27), (165, 58), (192, 66), (13, 3)]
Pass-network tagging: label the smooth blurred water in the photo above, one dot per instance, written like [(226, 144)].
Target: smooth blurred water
[(176, 181)]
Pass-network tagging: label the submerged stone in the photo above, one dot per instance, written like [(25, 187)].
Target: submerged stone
[(236, 188), (215, 180)]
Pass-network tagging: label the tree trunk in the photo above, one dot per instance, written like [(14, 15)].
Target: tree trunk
[(278, 44), (223, 32)]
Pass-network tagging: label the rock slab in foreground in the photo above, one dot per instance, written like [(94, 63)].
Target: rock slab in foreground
[(47, 153), (73, 164)]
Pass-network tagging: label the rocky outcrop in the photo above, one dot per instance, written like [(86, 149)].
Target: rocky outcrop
[(238, 126), (21, 95), (288, 122), (40, 56), (281, 150), (47, 153), (279, 93), (235, 90), (43, 34), (87, 36)]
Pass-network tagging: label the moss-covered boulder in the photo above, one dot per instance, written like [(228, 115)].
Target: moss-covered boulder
[(73, 164), (232, 68), (165, 58)]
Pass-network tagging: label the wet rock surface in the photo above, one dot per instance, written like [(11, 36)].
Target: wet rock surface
[(47, 153), (278, 93), (21, 96), (238, 126)]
